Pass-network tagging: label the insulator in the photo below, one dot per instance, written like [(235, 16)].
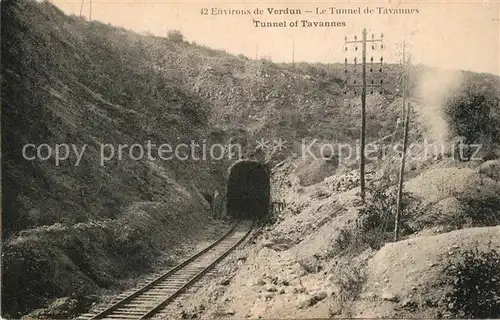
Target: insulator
[(380, 70), (356, 48), (354, 82), (371, 69), (355, 38), (381, 59), (381, 82), (373, 47), (381, 46), (371, 59), (372, 92), (345, 70), (345, 48), (345, 38)]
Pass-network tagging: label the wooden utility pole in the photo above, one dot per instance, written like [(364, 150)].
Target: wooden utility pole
[(90, 10), (405, 113), (363, 122), (401, 174), (404, 80), (81, 8), (362, 139)]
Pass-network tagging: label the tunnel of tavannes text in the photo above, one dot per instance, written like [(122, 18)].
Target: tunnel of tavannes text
[(248, 190)]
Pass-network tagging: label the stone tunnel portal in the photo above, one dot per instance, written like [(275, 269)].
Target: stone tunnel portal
[(248, 190)]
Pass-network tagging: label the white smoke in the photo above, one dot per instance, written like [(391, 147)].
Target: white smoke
[(434, 86)]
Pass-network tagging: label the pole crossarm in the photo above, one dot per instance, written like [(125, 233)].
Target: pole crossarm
[(360, 85), (361, 41)]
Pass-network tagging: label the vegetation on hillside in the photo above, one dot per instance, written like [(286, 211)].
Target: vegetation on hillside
[(70, 230), (474, 279), (474, 112)]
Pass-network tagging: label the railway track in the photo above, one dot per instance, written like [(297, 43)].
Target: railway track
[(154, 296)]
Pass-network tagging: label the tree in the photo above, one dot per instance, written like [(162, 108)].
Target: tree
[(175, 35), (469, 111)]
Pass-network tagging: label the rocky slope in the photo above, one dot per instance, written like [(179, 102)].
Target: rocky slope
[(71, 229), (329, 256)]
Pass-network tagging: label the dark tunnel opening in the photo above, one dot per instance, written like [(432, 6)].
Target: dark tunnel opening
[(248, 190)]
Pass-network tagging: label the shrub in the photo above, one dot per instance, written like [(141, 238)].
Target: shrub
[(469, 110), (475, 283), (349, 278), (483, 211), (175, 35), (375, 223)]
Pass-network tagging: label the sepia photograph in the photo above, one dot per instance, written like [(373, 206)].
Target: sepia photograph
[(270, 159)]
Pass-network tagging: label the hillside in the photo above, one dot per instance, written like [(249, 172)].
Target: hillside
[(73, 228), (67, 81), (90, 230)]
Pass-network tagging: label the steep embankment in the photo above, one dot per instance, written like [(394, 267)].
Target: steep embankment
[(69, 229)]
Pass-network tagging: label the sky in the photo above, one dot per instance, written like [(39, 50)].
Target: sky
[(448, 34)]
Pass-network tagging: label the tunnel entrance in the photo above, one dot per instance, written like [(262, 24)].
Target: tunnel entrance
[(248, 190)]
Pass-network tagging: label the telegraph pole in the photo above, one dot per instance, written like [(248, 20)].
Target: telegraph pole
[(401, 174), (81, 8), (404, 79), (362, 139), (90, 12), (406, 113), (363, 122)]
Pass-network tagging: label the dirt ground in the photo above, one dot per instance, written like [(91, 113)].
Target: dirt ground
[(290, 271)]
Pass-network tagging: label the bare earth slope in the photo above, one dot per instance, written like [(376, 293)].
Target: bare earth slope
[(68, 229), (328, 256)]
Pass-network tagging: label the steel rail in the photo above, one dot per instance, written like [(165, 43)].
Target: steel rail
[(136, 314)]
